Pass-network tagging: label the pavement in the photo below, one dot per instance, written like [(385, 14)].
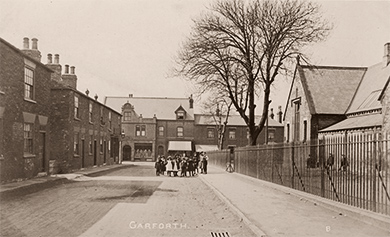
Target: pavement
[(43, 182), (274, 210), (267, 209)]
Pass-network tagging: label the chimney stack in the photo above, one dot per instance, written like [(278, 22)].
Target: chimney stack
[(56, 59), (272, 115), (386, 57), (280, 114), (34, 43), (191, 102), (33, 52), (56, 67), (26, 43), (49, 58), (69, 80)]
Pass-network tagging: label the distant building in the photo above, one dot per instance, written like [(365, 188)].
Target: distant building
[(24, 112), (337, 104), (153, 126), (366, 113), (319, 97), (236, 133)]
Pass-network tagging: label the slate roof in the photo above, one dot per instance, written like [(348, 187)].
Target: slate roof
[(234, 120), (367, 95), (162, 107), (357, 122), (328, 89)]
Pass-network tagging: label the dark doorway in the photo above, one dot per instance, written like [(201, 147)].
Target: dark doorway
[(42, 152), (82, 153), (104, 152), (160, 150), (95, 152), (127, 152)]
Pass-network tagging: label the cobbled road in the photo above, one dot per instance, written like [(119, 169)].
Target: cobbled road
[(126, 202)]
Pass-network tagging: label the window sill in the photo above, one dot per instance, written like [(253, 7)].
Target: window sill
[(90, 122), (30, 100), (76, 156), (28, 156), (77, 119), (2, 93)]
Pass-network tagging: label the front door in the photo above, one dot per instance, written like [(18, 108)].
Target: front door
[(42, 153), (127, 152), (82, 153), (95, 152)]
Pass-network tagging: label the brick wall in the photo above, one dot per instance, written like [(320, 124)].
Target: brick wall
[(297, 93), (68, 128), (386, 111), (15, 164)]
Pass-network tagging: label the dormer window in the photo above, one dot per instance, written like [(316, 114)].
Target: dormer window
[(180, 114)]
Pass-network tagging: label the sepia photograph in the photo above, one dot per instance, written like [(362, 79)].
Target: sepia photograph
[(198, 118)]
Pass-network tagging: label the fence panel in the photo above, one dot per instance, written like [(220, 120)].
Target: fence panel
[(352, 168)]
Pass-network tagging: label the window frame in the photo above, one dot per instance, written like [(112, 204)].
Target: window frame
[(180, 115), (126, 116), (76, 144), (27, 85), (90, 144), (90, 112), (76, 107), (232, 131), (109, 120), (161, 131), (180, 133), (28, 138), (210, 133)]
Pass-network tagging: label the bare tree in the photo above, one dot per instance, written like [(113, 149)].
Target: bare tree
[(219, 109), (239, 47)]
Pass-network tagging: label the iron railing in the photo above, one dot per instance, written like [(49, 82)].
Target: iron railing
[(351, 168)]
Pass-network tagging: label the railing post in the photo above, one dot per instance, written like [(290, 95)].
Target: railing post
[(374, 173), (292, 165), (321, 151)]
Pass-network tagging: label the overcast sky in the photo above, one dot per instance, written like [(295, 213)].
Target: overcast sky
[(127, 47)]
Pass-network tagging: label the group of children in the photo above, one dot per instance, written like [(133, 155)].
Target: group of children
[(181, 165)]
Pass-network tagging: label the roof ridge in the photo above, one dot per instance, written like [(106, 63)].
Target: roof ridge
[(147, 97), (334, 67)]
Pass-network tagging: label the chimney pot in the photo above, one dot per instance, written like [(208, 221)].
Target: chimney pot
[(34, 43), (87, 92), (280, 113), (49, 58), (386, 57), (130, 95), (66, 69), (191, 102), (26, 43), (272, 114), (72, 68), (96, 96), (56, 59)]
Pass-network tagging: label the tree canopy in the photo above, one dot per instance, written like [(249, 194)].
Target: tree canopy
[(238, 48)]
